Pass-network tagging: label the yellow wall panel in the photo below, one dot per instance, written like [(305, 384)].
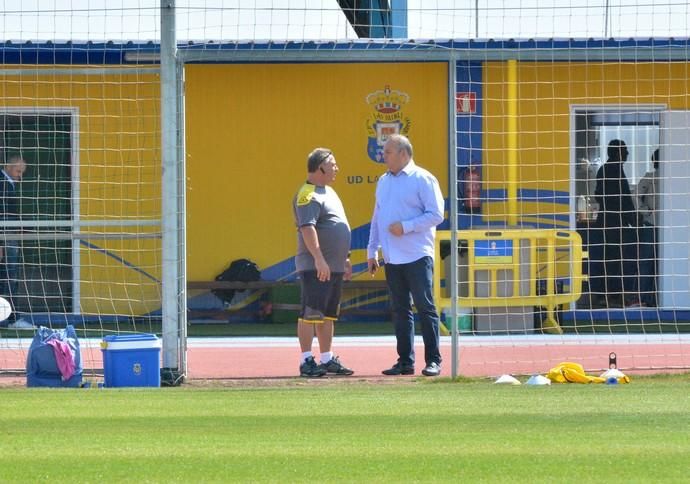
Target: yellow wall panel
[(250, 127), (122, 277), (119, 175)]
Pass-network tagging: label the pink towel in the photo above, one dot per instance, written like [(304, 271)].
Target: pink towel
[(64, 358)]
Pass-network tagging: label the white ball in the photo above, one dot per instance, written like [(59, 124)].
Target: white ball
[(5, 309)]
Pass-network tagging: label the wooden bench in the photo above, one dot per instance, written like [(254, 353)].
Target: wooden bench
[(243, 286), (372, 285)]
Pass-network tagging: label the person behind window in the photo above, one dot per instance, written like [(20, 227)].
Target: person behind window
[(647, 204), (646, 192), (618, 219), (11, 175)]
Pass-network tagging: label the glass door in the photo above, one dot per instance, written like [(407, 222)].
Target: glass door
[(44, 141)]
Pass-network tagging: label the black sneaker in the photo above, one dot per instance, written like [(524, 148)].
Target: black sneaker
[(334, 366), (399, 369), (310, 369)]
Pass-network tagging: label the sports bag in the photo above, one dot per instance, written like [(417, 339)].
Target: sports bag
[(240, 270)]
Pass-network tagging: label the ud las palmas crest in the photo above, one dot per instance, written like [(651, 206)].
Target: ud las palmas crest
[(386, 119)]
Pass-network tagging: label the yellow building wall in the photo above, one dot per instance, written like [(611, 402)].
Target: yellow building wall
[(119, 178), (546, 91), (250, 128)]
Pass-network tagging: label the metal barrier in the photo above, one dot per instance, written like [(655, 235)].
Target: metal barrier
[(528, 262)]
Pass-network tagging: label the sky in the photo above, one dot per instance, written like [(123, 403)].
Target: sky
[(122, 20)]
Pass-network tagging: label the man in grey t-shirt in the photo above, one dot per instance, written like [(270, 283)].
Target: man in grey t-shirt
[(322, 260)]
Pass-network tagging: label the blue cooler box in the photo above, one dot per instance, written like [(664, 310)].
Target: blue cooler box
[(131, 360)]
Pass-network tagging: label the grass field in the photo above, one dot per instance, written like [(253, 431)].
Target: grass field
[(349, 431)]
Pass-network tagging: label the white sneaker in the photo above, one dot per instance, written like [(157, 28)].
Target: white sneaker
[(21, 324)]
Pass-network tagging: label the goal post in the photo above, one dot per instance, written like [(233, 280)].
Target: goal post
[(173, 297)]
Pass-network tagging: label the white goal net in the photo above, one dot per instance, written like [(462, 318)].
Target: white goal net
[(158, 139)]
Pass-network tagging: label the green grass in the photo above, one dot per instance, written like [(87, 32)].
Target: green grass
[(305, 431)]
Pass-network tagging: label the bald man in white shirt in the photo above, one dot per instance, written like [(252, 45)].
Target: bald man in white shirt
[(409, 205)]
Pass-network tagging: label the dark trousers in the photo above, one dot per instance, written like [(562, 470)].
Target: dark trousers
[(9, 270), (623, 263), (647, 267), (407, 283), (615, 246)]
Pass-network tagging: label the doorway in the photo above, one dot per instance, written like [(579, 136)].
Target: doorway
[(592, 128), (46, 140)]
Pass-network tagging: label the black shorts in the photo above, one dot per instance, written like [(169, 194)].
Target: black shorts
[(320, 300)]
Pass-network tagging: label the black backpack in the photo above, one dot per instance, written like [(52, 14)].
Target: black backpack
[(240, 270)]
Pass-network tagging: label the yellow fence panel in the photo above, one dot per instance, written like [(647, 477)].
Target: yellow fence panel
[(513, 267)]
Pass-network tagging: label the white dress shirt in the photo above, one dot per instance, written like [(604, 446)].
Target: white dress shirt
[(412, 197)]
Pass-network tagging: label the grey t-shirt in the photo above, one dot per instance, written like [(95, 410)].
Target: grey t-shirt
[(322, 208)]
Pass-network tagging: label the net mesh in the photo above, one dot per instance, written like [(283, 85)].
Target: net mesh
[(533, 125)]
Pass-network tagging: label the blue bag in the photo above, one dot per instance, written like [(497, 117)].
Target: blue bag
[(41, 364)]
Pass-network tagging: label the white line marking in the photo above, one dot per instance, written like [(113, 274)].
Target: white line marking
[(371, 341)]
